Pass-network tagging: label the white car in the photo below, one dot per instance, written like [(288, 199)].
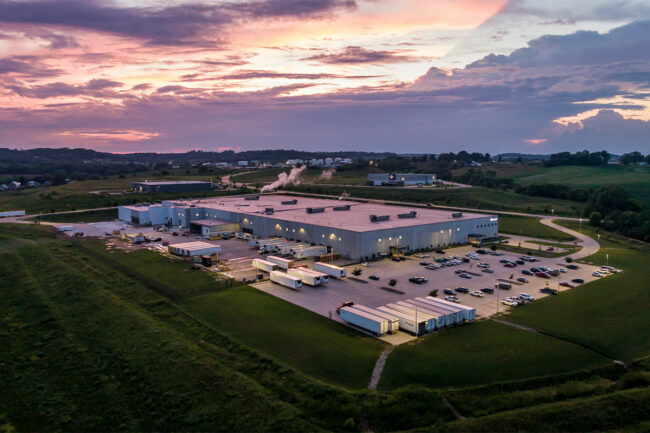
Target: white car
[(510, 303), (604, 271), (477, 293), (422, 256), (451, 299), (597, 274), (526, 297), (562, 270), (366, 264)]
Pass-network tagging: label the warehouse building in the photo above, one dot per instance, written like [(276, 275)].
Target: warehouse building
[(351, 229), (400, 179), (170, 186)]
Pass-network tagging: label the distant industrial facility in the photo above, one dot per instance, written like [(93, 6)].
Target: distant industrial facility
[(351, 229), (171, 186), (400, 179)]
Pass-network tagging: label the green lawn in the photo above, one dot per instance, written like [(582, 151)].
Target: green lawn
[(304, 340), (610, 314), (529, 226), (79, 217), (475, 197), (634, 179), (480, 353)]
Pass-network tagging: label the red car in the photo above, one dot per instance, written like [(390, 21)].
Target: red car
[(542, 275), (566, 284), (509, 265)]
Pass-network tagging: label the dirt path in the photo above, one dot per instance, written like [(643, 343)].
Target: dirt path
[(379, 367)]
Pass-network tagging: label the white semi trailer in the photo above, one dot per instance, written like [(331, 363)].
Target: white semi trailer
[(324, 278), (310, 252), (469, 313), (367, 321), (455, 313), (417, 312), (281, 262), (255, 243), (441, 317), (331, 270), (407, 321), (264, 265), (286, 280), (307, 277), (12, 213), (393, 321)]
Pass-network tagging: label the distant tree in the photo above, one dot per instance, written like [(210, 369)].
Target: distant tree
[(493, 247), (392, 282), (595, 218), (434, 293), (357, 272), (632, 158)]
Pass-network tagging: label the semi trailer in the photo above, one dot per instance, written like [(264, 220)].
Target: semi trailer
[(286, 280), (281, 262), (307, 277), (264, 265), (331, 270), (393, 321), (367, 321)]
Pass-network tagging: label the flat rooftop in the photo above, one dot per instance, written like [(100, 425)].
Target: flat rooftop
[(170, 182), (357, 218), (211, 223)]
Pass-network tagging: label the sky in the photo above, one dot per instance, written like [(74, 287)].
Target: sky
[(406, 76)]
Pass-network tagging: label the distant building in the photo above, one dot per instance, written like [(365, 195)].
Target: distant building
[(33, 184), (171, 186), (398, 179), (242, 163)]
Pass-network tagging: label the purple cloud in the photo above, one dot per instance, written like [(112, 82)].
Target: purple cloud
[(354, 55)]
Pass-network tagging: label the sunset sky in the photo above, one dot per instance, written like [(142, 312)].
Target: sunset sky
[(533, 76)]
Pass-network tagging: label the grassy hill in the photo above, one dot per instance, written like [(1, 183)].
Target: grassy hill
[(634, 179)]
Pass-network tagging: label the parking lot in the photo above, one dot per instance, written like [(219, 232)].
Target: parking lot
[(362, 290)]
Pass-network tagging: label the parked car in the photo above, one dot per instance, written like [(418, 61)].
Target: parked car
[(452, 299), (573, 267), (487, 270), (432, 267), (366, 264), (503, 286), (483, 265), (440, 251), (509, 265), (424, 263), (418, 280), (520, 262), (462, 290), (567, 284), (459, 271), (522, 280), (542, 275), (562, 270), (466, 276), (481, 251), (488, 290), (465, 260), (578, 281), (477, 293), (504, 261), (421, 255), (548, 291), (449, 292), (396, 259), (526, 272), (373, 277), (597, 274), (526, 297), (534, 270), (510, 303)]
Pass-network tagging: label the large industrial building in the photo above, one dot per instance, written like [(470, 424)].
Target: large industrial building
[(352, 229), (400, 179), (171, 186)]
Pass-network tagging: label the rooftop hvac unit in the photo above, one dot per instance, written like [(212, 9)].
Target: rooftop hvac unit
[(269, 211), (411, 214), (456, 214), (290, 202), (377, 218), (315, 209), (255, 197), (340, 208)]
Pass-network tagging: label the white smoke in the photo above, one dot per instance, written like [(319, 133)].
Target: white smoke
[(226, 180), (285, 179), (327, 174)]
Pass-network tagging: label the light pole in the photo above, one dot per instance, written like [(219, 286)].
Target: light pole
[(580, 225), (607, 259)]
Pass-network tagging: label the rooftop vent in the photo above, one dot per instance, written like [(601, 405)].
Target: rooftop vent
[(255, 197), (315, 209), (456, 214), (269, 211), (377, 218), (294, 201), (411, 214), (339, 208)]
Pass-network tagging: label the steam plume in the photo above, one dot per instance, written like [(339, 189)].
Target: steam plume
[(327, 174), (285, 179)]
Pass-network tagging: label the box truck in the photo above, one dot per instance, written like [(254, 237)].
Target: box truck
[(307, 277), (264, 265), (285, 280), (393, 321), (331, 270), (281, 262), (367, 321)]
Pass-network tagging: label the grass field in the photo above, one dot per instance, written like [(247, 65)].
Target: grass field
[(308, 342), (529, 226), (79, 217), (634, 179), (475, 197), (611, 314), (484, 352)]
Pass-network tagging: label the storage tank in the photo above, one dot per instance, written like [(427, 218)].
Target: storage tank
[(285, 280)]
